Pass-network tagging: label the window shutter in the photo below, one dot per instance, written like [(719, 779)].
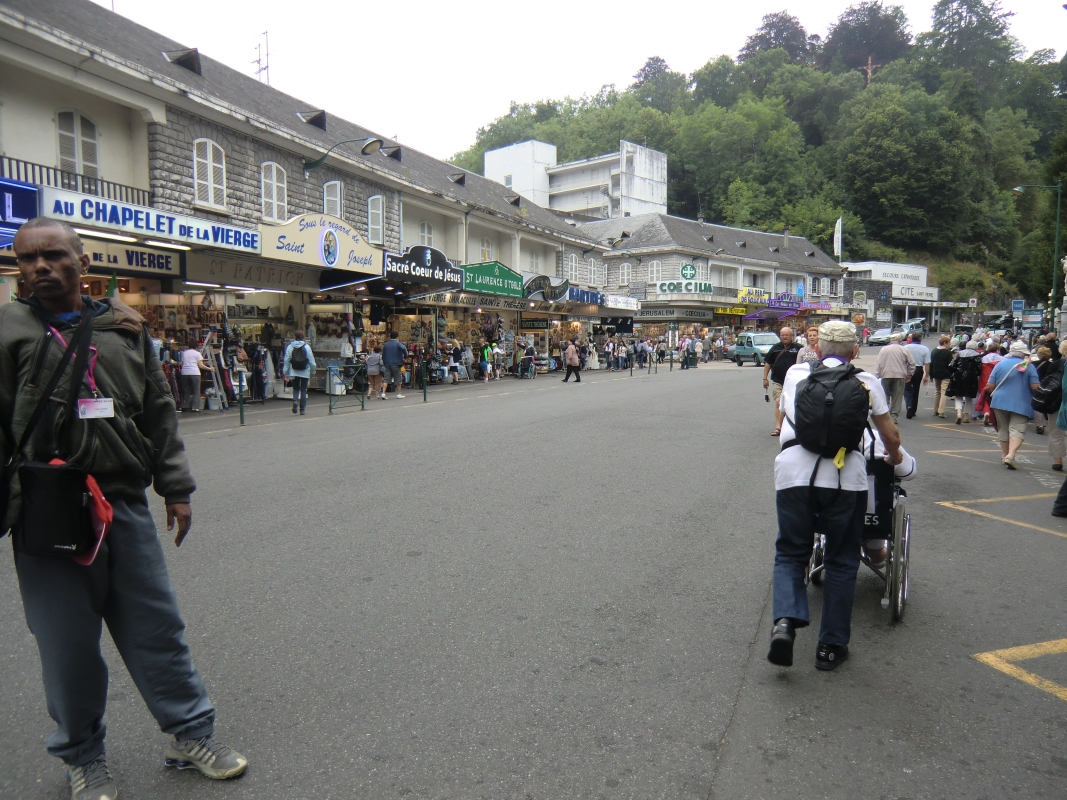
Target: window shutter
[(68, 141), (331, 198), (202, 171), (89, 161), (218, 175), (266, 183), (375, 232)]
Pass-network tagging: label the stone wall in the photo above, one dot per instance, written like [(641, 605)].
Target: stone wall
[(170, 154)]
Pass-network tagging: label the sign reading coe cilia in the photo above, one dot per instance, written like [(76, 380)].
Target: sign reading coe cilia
[(99, 212)]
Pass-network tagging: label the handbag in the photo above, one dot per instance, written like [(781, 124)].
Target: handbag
[(1048, 396), (63, 511)]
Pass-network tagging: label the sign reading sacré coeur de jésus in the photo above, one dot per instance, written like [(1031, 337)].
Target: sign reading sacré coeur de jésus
[(100, 212)]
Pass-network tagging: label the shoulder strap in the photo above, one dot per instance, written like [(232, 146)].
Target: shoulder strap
[(80, 343)]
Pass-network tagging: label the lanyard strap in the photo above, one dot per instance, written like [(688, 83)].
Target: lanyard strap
[(92, 358)]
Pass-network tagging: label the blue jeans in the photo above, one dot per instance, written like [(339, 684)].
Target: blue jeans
[(838, 515), (128, 587), (300, 391)]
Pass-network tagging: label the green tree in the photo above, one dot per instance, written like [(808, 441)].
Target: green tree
[(867, 30), (657, 86), (778, 31), (715, 82), (973, 35)]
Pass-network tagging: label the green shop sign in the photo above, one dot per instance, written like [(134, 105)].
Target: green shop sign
[(492, 277)]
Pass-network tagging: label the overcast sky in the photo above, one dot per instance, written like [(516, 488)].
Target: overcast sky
[(432, 73)]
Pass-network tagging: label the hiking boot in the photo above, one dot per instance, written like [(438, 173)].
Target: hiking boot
[(92, 781), (206, 754)]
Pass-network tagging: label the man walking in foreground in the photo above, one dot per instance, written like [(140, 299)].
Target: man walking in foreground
[(126, 585), (574, 364), (780, 358), (817, 489), (920, 376), (895, 368)]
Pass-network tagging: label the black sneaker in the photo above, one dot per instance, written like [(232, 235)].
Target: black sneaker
[(828, 656), (781, 652)]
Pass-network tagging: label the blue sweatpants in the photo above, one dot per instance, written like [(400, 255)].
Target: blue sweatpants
[(128, 588)]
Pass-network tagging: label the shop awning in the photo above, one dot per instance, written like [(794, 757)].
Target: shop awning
[(772, 313)]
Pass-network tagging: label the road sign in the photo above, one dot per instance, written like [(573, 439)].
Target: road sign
[(1017, 307), (973, 302), (1033, 317)]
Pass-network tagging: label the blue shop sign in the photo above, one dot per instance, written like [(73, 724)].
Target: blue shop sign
[(576, 295), (18, 204)]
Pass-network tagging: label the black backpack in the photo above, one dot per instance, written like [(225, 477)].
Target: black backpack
[(298, 358), (1049, 395), (831, 410)]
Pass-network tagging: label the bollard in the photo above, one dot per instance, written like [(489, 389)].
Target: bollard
[(422, 369), (672, 362), (241, 396)]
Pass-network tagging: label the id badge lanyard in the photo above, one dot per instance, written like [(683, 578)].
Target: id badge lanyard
[(90, 370)]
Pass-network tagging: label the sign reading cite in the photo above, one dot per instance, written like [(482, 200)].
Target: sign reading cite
[(425, 265), (492, 277), (99, 212), (319, 240)]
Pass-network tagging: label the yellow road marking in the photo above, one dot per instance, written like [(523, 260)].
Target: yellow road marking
[(960, 429), (1020, 467), (1003, 660), (1006, 499), (975, 511)]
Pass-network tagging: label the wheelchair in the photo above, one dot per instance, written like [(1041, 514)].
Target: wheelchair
[(526, 368), (891, 521)]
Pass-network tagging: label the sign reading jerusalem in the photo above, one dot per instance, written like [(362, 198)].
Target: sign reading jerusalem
[(320, 240)]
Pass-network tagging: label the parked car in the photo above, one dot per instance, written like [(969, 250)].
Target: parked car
[(752, 346), (879, 337)]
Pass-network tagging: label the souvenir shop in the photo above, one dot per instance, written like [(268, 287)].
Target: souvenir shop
[(672, 323)]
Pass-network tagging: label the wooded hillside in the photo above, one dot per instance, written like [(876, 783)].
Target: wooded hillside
[(920, 156)]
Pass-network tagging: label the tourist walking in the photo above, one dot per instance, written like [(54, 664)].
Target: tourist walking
[(920, 375), (1012, 383), (1050, 400), (963, 379), (990, 358), (374, 371), (809, 353), (1044, 365), (780, 358), (940, 358), (393, 355), (192, 365), (297, 366), (70, 578), (574, 364), (895, 368)]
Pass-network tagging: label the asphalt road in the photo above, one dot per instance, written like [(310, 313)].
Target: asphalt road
[(538, 590)]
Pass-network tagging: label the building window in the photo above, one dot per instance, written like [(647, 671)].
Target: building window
[(77, 144), (273, 189), (655, 271), (787, 285), (426, 234), (572, 268), (507, 181), (333, 199), (729, 278), (487, 249), (702, 271), (375, 227), (624, 274), (209, 173), (833, 287), (594, 274), (824, 286), (535, 261)]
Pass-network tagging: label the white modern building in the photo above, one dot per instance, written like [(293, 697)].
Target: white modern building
[(626, 183)]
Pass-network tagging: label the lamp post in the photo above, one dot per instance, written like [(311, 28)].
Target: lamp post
[(1058, 189), (370, 146)]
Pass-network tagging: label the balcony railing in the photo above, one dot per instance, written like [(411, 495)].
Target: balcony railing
[(28, 172)]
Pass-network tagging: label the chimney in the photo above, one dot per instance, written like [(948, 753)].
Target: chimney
[(700, 217), (785, 238)]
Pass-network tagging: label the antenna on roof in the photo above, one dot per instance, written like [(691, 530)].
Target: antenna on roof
[(262, 59)]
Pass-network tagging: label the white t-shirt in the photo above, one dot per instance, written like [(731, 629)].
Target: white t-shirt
[(191, 361), (794, 465)]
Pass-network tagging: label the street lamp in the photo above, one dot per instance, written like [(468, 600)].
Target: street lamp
[(370, 146), (1058, 189)]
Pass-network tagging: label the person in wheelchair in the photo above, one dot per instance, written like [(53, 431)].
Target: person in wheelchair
[(882, 476), (526, 363)]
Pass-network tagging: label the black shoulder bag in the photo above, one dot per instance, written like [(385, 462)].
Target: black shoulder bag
[(54, 517)]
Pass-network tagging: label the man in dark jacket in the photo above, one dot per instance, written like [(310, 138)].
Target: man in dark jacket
[(779, 359), (128, 441)]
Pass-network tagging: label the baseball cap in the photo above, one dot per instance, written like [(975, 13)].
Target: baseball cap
[(838, 331)]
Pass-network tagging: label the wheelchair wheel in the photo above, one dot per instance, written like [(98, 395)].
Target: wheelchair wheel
[(815, 565), (898, 590)]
